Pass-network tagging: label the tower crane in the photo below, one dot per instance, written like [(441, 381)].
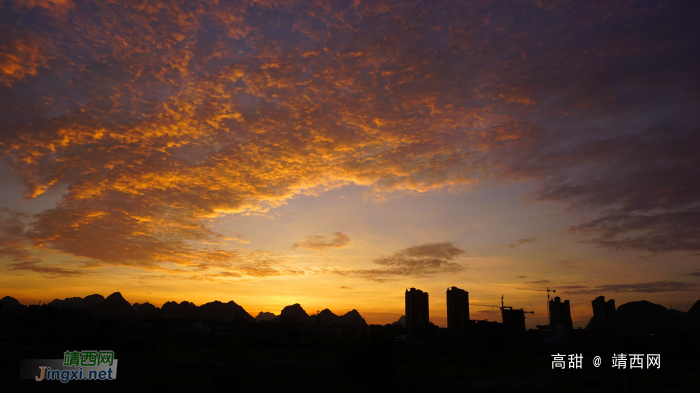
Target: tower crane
[(483, 305), (549, 314), (490, 305)]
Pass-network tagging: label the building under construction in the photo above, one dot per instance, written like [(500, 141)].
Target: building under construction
[(514, 321), (560, 312), (481, 332), (560, 326)]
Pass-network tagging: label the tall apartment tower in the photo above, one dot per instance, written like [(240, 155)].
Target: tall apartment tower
[(604, 314), (416, 309), (560, 313), (457, 309)]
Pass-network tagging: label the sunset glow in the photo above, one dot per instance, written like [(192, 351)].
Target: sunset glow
[(333, 154)]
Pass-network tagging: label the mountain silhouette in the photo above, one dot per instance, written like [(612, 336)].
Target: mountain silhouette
[(353, 318), (214, 310), (55, 303), (327, 317), (292, 314), (401, 321), (692, 317), (90, 301), (78, 303), (223, 311), (265, 316), (183, 310), (646, 318), (591, 324), (114, 304), (67, 302), (10, 302), (677, 316), (146, 310)]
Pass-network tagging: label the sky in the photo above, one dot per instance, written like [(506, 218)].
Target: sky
[(335, 153)]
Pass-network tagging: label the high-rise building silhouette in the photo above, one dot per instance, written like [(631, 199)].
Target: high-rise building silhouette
[(457, 311), (560, 313), (604, 314), (417, 315)]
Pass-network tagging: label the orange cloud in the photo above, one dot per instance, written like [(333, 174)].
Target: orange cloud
[(158, 117), (415, 261), (51, 271), (19, 58), (321, 243)]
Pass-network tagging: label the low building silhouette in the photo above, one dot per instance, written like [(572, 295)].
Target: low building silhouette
[(513, 320), (484, 334), (552, 334), (513, 323)]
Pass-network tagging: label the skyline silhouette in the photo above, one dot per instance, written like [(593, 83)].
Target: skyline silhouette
[(219, 346), (115, 304), (267, 195)]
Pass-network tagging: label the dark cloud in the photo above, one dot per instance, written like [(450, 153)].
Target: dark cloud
[(647, 287), (538, 282), (523, 277), (158, 117), (653, 233), (520, 242), (415, 261), (50, 271), (694, 273), (321, 243), (572, 287), (14, 243), (344, 287), (642, 185)]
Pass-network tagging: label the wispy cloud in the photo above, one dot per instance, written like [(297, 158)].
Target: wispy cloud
[(522, 241), (654, 233), (322, 243), (415, 261), (538, 282), (647, 287), (565, 263), (14, 243), (573, 287), (694, 273), (50, 271)]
